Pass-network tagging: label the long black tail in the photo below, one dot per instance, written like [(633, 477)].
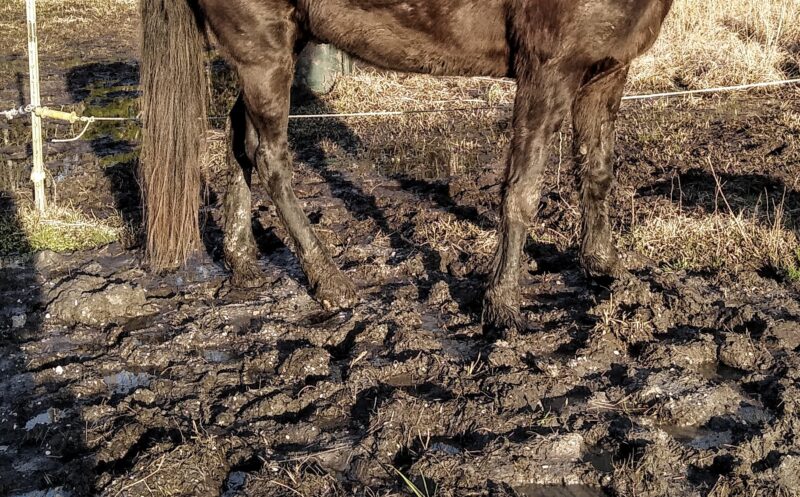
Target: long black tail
[(174, 111)]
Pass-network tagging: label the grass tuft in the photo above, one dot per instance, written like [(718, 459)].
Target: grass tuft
[(716, 241), (413, 488), (793, 271), (61, 229)]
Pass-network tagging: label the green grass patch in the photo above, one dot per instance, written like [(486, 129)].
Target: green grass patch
[(413, 488), (61, 229), (793, 270)]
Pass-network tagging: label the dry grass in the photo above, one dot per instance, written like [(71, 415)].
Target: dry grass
[(716, 42), (714, 242), (66, 24), (451, 235)]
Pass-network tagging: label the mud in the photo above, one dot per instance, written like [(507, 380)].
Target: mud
[(116, 381), (121, 382)]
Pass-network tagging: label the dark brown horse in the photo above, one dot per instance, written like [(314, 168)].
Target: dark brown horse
[(562, 53)]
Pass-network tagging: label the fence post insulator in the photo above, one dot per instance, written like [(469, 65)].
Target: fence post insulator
[(70, 117)]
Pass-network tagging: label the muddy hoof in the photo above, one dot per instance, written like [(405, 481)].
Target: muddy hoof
[(336, 293), (499, 319), (608, 266), (248, 276)]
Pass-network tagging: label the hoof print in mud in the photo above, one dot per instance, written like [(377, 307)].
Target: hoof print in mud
[(306, 364)]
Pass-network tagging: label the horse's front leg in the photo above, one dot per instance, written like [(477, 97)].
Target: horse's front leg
[(594, 115), (541, 104)]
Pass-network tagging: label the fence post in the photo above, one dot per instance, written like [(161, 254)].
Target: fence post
[(37, 172)]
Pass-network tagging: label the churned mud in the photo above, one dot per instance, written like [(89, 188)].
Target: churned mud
[(668, 382)]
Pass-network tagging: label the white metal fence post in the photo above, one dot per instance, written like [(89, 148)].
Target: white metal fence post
[(37, 173)]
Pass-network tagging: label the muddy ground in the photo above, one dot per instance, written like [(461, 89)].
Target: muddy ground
[(671, 382)]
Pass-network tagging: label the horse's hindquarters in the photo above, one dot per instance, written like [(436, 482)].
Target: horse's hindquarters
[(615, 29), (450, 37)]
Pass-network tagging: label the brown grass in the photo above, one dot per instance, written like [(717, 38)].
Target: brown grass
[(718, 42), (714, 242)]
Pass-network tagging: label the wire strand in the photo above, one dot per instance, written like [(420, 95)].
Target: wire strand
[(718, 89), (13, 113)]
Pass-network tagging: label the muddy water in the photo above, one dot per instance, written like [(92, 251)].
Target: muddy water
[(565, 491)]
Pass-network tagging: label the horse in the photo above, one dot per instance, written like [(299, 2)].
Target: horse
[(564, 55)]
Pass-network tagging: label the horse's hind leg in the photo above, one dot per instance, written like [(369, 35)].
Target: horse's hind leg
[(542, 101), (266, 87), (594, 114), (241, 252)]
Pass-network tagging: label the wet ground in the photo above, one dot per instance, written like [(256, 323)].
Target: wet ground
[(670, 382)]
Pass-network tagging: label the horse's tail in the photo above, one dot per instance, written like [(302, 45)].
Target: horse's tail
[(174, 115)]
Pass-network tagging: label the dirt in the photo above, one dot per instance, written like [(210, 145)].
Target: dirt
[(116, 381)]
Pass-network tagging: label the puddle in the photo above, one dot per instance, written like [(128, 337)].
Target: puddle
[(719, 372), (754, 415), (445, 448), (58, 344), (698, 438), (235, 482), (47, 417), (50, 492), (125, 382), (152, 337), (137, 323), (559, 491), (218, 356), (325, 319), (430, 323), (602, 460), (402, 380), (562, 403), (113, 101), (331, 423)]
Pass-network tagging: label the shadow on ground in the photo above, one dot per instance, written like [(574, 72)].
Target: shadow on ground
[(41, 426)]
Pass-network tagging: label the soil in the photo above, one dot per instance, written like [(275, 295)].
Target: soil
[(116, 381)]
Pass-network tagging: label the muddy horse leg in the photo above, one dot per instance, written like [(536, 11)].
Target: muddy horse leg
[(541, 104), (266, 87), (594, 114), (241, 252)]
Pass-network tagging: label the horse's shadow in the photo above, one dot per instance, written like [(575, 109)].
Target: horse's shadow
[(111, 89), (307, 142)]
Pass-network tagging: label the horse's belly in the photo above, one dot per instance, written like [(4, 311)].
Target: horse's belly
[(452, 37)]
